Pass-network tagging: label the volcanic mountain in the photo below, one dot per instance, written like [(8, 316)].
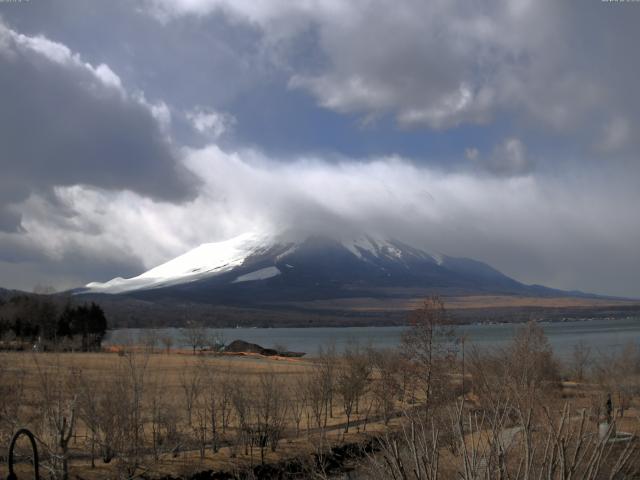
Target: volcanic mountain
[(264, 269)]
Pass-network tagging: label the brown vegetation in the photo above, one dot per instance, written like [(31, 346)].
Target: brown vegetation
[(517, 421), (431, 412), (122, 414)]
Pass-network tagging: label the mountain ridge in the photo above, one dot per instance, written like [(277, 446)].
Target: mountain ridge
[(260, 268)]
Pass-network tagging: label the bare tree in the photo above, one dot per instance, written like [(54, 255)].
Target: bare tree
[(617, 375), (270, 412), (194, 335), (297, 401), (217, 394), (200, 426), (524, 372), (225, 381), (386, 386), (317, 394), (124, 403), (243, 407), (326, 369), (353, 376), (429, 345), (407, 374), (191, 385), (580, 360), (163, 419), (58, 405), (532, 369), (108, 400), (167, 342), (88, 402), (215, 398), (506, 442), (150, 340), (214, 341), (12, 381)]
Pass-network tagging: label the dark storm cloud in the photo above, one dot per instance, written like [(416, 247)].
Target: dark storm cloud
[(64, 122), (564, 70), (188, 62), (10, 221), (565, 67), (20, 248), (69, 271)]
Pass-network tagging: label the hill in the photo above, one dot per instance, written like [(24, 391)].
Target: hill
[(266, 280)]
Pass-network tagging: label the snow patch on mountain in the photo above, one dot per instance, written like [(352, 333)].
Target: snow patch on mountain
[(439, 259), (262, 274), (379, 247), (372, 246)]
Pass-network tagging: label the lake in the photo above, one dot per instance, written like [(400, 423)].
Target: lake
[(601, 335)]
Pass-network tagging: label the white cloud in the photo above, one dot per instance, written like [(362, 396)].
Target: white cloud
[(616, 134), (54, 51), (108, 77), (58, 53), (161, 113), (538, 229), (509, 157), (260, 12), (209, 122), (471, 153)]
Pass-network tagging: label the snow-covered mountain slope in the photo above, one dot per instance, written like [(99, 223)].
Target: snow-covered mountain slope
[(258, 267), (366, 246), (208, 259)]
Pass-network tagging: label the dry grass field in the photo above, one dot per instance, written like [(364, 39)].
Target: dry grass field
[(173, 387), (428, 409), (465, 303)]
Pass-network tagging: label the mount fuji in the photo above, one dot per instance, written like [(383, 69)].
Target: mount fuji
[(259, 268)]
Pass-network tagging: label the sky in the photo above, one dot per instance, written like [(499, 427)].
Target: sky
[(506, 131)]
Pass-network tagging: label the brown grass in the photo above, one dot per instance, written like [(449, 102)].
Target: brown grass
[(463, 303), (170, 368)]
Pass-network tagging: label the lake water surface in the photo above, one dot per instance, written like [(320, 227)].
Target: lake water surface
[(601, 335)]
